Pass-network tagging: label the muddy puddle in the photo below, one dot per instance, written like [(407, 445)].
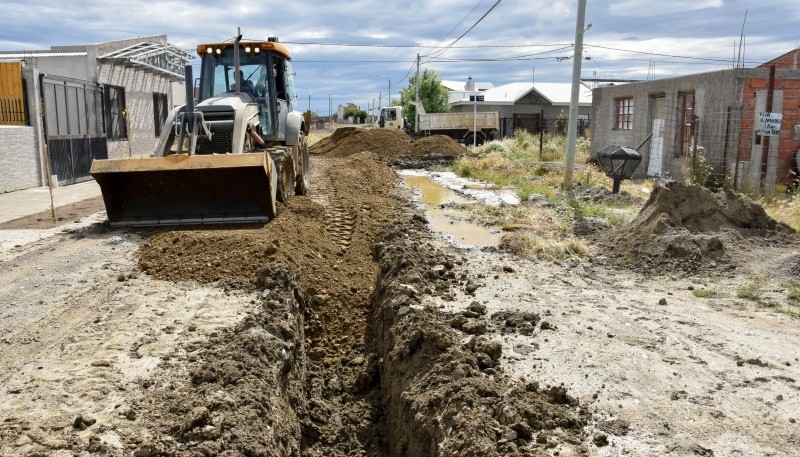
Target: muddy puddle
[(435, 192)]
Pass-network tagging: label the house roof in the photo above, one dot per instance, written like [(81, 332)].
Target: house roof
[(461, 85), (17, 55), (509, 94)]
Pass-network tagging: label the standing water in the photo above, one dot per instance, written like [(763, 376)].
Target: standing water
[(445, 219)]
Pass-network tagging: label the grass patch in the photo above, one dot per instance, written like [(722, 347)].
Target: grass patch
[(522, 164), (529, 245), (704, 293), (793, 292), (589, 209), (753, 290), (783, 208)]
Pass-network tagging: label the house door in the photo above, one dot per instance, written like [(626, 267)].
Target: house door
[(758, 142), (656, 162)]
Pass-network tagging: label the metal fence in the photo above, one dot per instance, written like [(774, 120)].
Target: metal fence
[(509, 125)]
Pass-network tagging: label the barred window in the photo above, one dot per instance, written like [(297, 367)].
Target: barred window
[(114, 101), (687, 122), (624, 113), (160, 111)]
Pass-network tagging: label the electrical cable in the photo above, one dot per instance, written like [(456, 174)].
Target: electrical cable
[(438, 53)]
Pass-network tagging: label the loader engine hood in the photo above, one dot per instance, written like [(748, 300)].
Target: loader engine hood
[(234, 101)]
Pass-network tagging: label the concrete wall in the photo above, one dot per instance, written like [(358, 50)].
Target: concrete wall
[(18, 165), (714, 93), (70, 67)]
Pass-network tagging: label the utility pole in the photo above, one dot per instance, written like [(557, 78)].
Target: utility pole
[(416, 97), (572, 129), (309, 103)]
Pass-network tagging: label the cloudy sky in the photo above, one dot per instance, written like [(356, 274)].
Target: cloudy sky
[(350, 50)]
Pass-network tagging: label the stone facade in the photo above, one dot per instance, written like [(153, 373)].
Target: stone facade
[(139, 89), (18, 164)]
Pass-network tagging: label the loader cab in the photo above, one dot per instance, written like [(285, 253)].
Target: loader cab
[(267, 79)]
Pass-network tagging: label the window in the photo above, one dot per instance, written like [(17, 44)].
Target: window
[(114, 101), (624, 113), (686, 121), (160, 111)]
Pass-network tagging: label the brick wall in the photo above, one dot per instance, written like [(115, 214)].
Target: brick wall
[(787, 84), (18, 168), (788, 61)]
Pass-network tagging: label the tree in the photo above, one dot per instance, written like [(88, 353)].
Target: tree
[(432, 94), (358, 114)]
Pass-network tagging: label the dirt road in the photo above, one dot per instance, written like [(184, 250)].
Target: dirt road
[(344, 327)]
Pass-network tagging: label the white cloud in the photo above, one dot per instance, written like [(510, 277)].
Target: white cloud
[(648, 8)]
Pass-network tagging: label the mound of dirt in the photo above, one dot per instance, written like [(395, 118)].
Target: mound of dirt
[(346, 141), (438, 144), (690, 228), (392, 146)]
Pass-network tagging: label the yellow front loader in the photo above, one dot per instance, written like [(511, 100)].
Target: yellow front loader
[(226, 159)]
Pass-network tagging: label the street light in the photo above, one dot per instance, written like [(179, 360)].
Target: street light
[(388, 97)]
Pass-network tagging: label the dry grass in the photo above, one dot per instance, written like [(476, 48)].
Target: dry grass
[(530, 245)]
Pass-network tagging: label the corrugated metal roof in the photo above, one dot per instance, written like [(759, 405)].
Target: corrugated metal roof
[(39, 55)]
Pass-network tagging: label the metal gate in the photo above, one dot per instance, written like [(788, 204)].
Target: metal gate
[(74, 128)]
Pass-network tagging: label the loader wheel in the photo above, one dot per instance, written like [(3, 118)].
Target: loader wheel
[(285, 171), (301, 181)]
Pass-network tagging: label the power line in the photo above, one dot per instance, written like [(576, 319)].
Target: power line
[(711, 59), (438, 53), (463, 19), (422, 46)]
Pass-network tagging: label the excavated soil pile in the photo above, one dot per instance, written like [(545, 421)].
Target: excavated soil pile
[(442, 378), (243, 385), (392, 146), (690, 228), (383, 143)]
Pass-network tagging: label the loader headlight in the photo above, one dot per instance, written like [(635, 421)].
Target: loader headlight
[(257, 50), (210, 50), (219, 51), (247, 49)]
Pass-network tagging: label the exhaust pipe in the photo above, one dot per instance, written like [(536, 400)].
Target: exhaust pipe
[(236, 75)]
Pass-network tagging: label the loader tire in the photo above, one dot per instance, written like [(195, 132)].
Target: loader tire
[(284, 169), (301, 180)]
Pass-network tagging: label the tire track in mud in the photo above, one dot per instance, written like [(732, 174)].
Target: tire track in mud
[(340, 218)]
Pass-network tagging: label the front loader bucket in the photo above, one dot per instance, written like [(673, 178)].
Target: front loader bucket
[(184, 190)]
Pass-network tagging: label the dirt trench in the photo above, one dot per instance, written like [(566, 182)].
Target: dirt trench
[(344, 357)]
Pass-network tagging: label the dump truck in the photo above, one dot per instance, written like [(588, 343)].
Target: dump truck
[(227, 156), (468, 128)]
